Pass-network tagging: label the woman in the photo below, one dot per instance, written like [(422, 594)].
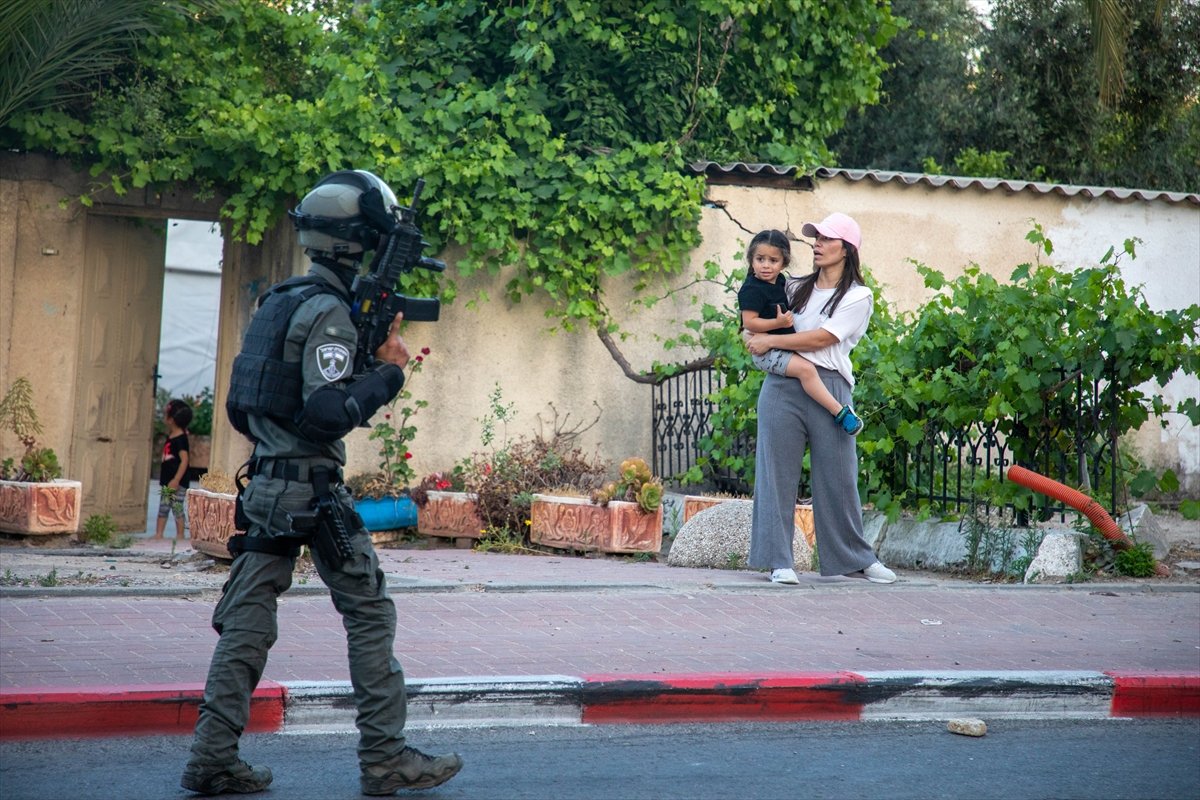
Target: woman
[(830, 308)]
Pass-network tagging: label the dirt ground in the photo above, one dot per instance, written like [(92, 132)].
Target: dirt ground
[(63, 561)]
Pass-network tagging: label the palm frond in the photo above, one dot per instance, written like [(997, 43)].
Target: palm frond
[(1110, 32), (53, 48)]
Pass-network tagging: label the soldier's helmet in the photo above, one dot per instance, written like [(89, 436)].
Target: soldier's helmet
[(345, 214)]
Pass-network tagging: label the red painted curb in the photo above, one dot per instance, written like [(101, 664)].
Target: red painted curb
[(721, 697), (107, 711), (1155, 695)]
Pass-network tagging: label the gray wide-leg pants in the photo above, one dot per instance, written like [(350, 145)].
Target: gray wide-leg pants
[(788, 422), (246, 620)]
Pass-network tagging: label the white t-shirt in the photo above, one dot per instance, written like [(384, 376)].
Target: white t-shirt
[(848, 324)]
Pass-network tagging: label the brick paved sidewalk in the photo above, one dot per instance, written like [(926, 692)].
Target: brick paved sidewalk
[(465, 613)]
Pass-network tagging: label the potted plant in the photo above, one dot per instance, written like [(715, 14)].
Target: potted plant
[(210, 511), (488, 496), (445, 509), (34, 498), (623, 516), (383, 505)]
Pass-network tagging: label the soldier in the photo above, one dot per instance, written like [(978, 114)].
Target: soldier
[(294, 393)]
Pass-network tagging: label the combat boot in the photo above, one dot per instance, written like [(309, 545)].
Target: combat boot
[(238, 778), (410, 769)]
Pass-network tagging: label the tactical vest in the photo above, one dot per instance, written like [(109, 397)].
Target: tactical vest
[(263, 383)]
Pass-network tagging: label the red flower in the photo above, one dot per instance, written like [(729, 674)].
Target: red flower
[(408, 455), (425, 351), (387, 416), (420, 359)]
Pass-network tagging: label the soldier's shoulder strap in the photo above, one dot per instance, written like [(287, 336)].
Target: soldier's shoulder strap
[(314, 283)]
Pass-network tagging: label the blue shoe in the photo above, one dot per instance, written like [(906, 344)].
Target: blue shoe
[(851, 423)]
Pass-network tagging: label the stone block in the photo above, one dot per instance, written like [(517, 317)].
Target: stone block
[(1140, 525), (1058, 557)]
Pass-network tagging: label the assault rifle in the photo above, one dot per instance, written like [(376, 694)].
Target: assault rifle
[(376, 300)]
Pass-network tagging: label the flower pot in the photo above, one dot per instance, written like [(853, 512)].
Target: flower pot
[(575, 523), (210, 520), (694, 504), (40, 508), (452, 515), (386, 513)]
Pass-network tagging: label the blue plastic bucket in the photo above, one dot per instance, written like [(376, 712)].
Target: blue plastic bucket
[(388, 513)]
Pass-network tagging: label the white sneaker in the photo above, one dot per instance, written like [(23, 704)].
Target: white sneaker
[(788, 576), (878, 573)]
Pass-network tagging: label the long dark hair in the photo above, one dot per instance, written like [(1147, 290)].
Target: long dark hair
[(851, 274), (770, 237)]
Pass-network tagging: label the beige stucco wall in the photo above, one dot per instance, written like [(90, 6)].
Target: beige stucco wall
[(475, 348), (43, 306)]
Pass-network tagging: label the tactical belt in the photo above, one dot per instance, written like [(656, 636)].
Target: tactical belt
[(324, 527), (287, 546), (293, 470)]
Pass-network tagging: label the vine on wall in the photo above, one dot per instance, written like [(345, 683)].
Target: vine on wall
[(554, 137)]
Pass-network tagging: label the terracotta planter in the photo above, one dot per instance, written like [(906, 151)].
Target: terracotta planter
[(451, 515), (38, 509), (694, 504), (210, 520), (575, 523)]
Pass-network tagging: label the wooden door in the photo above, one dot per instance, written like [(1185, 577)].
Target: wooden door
[(118, 348)]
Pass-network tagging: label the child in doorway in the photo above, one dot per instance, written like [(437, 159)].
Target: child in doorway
[(172, 477), (764, 306)]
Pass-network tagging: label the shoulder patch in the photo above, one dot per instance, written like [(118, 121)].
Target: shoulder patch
[(333, 360)]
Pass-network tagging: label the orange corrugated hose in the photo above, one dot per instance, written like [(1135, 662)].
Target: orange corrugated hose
[(1080, 502)]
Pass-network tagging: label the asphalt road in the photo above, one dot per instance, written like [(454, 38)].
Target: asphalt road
[(1092, 759)]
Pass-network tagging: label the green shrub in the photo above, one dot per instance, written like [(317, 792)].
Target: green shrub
[(505, 481), (40, 465), (99, 529), (1136, 562)]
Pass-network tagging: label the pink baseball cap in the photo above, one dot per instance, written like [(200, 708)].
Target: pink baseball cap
[(835, 226)]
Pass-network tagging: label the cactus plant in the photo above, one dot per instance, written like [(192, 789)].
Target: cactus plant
[(635, 472), (650, 496), (636, 484), (40, 465)]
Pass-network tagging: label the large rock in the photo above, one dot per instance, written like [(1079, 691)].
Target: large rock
[(719, 538), (1139, 523), (1058, 557)]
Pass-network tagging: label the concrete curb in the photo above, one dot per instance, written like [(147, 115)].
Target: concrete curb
[(306, 707)]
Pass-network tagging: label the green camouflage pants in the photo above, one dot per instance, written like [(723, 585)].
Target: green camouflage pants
[(245, 619)]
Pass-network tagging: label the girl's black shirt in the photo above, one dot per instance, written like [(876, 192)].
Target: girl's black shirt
[(762, 297)]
